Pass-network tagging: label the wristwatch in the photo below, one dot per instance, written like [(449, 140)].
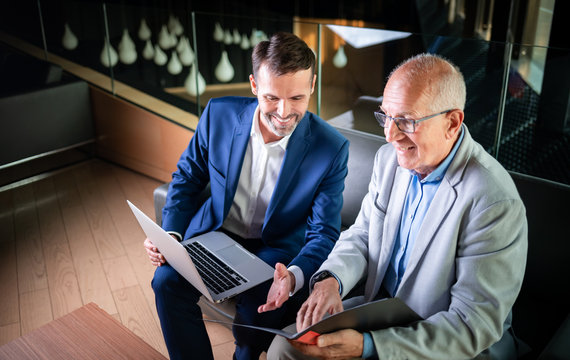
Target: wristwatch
[(320, 277)]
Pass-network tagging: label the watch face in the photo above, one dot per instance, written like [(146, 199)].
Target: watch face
[(322, 276)]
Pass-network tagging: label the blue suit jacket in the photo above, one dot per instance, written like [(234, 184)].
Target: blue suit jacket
[(303, 216)]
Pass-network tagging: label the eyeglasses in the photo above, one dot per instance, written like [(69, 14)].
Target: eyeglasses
[(403, 124)]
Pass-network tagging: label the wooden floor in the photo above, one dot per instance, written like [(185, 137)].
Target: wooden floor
[(70, 239)]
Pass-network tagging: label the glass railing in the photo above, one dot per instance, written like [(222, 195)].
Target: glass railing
[(517, 95)]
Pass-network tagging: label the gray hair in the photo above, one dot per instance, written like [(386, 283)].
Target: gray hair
[(448, 90)]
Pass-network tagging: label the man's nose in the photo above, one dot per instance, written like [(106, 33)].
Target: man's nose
[(391, 130), (283, 109)]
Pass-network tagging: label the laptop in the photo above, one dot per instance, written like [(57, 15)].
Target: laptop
[(213, 263)]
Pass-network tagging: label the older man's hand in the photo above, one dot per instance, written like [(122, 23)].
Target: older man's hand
[(342, 344), (324, 298)]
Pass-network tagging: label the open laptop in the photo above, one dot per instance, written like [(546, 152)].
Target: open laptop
[(213, 263)]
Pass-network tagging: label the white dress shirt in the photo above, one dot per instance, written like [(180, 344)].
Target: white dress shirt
[(259, 174)]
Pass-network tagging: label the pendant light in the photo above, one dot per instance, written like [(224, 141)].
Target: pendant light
[(174, 66), (236, 37), (244, 45), (144, 30), (339, 59), (228, 38), (69, 40), (109, 57), (160, 57), (178, 28), (148, 51), (253, 38), (181, 44), (174, 25), (224, 70), (218, 32), (127, 49), (190, 84), (164, 38), (187, 54)]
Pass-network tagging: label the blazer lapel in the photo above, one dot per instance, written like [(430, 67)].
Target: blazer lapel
[(440, 206), (296, 151), (390, 226), (239, 141)]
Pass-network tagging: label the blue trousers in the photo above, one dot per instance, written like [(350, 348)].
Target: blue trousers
[(181, 318)]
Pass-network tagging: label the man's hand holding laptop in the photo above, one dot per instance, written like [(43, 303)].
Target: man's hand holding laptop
[(156, 258)]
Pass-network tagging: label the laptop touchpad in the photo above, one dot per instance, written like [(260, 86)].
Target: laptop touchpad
[(234, 255)]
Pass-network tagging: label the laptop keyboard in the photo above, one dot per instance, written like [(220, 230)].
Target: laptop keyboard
[(217, 275)]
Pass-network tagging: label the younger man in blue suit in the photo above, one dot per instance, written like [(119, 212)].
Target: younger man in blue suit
[(276, 174)]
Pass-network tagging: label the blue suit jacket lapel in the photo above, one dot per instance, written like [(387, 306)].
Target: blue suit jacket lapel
[(296, 151), (239, 141)]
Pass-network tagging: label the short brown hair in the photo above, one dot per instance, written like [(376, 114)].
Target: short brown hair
[(283, 53)]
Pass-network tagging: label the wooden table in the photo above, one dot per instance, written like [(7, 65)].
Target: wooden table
[(86, 333)]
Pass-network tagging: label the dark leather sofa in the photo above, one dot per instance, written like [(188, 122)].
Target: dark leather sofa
[(542, 307)]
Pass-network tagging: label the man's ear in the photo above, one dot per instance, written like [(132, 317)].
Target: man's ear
[(455, 117), (253, 84)]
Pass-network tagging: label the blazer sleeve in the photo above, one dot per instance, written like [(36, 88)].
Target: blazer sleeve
[(323, 224), (189, 179), (350, 259)]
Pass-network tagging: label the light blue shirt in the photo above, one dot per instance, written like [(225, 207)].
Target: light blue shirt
[(419, 196)]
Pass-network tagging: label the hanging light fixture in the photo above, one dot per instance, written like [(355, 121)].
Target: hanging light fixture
[(186, 53), (165, 39), (174, 25), (127, 49), (244, 45), (340, 60), (218, 32), (160, 57), (148, 51), (174, 66), (144, 31), (224, 70), (109, 57), (190, 84), (69, 40), (228, 38), (236, 37)]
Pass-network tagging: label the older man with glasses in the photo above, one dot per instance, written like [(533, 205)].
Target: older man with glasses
[(442, 228)]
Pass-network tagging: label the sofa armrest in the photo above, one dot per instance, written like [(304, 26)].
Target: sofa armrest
[(159, 195)]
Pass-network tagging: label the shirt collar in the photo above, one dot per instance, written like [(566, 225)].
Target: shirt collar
[(256, 132), (438, 173)]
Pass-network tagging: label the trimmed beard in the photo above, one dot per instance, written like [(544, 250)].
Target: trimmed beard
[(281, 131)]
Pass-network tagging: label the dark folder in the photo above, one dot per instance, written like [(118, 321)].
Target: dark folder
[(374, 315)]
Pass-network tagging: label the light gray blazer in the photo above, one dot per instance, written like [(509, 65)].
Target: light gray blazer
[(467, 265)]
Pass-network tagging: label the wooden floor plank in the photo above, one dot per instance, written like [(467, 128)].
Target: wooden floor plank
[(9, 332), (9, 302), (116, 202), (120, 273), (134, 191), (144, 271), (29, 250), (35, 309), (62, 279), (99, 219), (91, 277), (136, 316), (224, 351)]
